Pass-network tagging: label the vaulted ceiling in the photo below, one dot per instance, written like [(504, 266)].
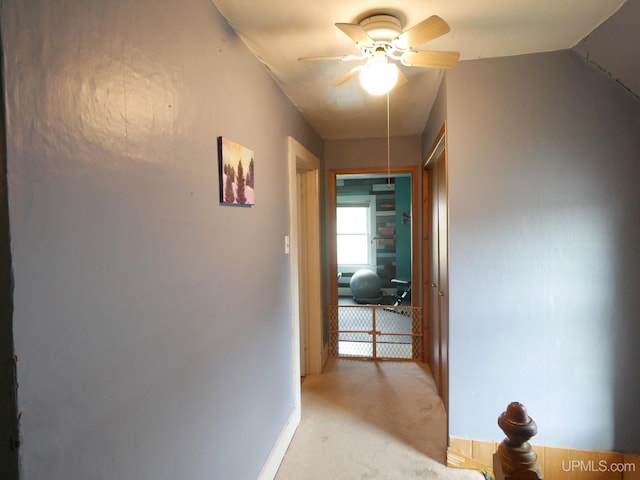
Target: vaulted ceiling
[(279, 32)]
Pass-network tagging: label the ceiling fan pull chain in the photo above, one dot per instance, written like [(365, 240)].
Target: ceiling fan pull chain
[(388, 146)]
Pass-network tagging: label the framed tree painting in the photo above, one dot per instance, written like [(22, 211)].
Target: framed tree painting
[(236, 173)]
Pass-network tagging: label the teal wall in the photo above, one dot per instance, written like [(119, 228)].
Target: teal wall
[(403, 228)]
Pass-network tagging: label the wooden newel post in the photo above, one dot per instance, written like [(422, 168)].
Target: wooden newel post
[(517, 460)]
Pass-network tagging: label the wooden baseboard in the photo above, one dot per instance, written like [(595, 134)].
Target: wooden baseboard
[(557, 463)]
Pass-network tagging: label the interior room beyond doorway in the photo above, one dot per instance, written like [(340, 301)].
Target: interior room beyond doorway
[(373, 237), (373, 314)]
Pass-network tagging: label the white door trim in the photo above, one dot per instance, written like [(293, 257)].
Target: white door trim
[(306, 270)]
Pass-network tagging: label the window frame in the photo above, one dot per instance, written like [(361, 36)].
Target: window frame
[(368, 201)]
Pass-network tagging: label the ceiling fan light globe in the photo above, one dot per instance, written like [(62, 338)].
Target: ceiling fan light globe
[(378, 78)]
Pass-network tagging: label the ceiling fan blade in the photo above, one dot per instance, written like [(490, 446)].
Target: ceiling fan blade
[(356, 33), (431, 59), (348, 76), (428, 29), (342, 58)]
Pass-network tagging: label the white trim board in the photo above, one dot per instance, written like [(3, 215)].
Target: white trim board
[(271, 466)]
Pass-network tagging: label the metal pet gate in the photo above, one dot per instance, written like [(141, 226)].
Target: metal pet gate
[(376, 331)]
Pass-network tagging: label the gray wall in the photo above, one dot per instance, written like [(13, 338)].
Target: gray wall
[(544, 193), (152, 325), (371, 152), (615, 46), (437, 118)]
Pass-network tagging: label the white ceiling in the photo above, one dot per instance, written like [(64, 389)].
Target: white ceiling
[(279, 32)]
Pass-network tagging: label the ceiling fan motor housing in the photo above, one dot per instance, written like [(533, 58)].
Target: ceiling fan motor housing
[(382, 28)]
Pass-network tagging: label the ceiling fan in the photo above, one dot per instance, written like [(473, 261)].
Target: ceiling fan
[(380, 38)]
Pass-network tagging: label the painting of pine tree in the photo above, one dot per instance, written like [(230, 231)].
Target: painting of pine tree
[(236, 169)]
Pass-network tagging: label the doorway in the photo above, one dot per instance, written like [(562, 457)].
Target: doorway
[(373, 234)]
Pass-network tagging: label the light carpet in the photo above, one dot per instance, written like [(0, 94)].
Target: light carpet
[(370, 420)]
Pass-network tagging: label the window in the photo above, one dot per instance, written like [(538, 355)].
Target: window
[(354, 223)]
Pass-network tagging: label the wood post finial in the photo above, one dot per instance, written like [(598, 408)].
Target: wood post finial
[(517, 458)]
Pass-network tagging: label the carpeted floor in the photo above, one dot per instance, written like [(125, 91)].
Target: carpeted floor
[(370, 420)]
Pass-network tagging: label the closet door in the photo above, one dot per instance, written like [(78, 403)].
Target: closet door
[(437, 286), (434, 280), (443, 276)]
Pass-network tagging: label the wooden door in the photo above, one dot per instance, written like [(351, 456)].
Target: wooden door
[(443, 276), (436, 267)]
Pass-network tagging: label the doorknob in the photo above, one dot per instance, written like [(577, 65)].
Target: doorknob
[(433, 285), (441, 293)]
